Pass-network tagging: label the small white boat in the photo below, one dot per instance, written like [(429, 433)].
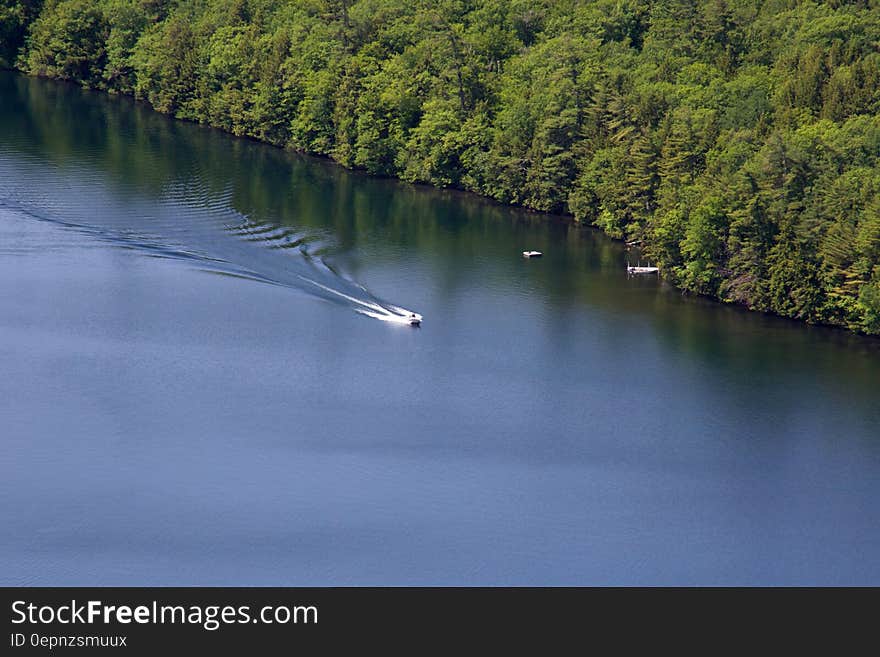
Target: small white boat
[(532, 254), (414, 319), (642, 270)]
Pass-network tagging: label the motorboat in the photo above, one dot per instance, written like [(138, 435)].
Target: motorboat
[(532, 254), (414, 319), (642, 270)]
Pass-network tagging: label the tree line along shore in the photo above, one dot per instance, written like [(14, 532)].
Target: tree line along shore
[(737, 140)]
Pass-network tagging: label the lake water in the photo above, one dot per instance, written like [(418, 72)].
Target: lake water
[(191, 393)]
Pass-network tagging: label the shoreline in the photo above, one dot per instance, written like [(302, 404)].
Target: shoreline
[(327, 160)]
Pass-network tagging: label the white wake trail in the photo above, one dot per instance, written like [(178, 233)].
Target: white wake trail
[(374, 309)]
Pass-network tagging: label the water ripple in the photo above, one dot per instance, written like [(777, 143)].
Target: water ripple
[(188, 219)]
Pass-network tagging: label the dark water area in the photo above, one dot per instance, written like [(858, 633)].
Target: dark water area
[(195, 388)]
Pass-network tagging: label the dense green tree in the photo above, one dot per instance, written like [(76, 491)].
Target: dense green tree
[(15, 17), (68, 41)]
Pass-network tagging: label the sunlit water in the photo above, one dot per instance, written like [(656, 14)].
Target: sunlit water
[(192, 393)]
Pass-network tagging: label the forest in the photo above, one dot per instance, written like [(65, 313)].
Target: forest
[(738, 141)]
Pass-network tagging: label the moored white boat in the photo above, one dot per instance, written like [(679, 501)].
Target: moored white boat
[(642, 270)]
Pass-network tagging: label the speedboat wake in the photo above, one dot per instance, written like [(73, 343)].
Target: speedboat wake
[(187, 220)]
